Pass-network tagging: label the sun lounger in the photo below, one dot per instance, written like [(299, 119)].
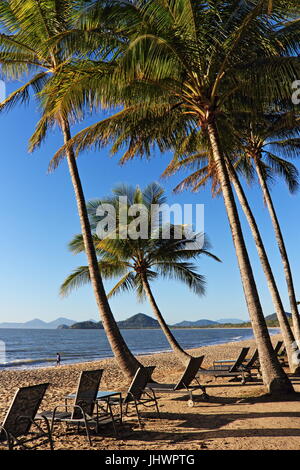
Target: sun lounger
[(188, 382), (137, 395), (235, 370), (20, 419)]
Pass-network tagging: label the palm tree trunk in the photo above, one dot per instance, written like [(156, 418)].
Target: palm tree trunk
[(125, 359), (283, 252), (286, 330), (274, 378), (183, 356)]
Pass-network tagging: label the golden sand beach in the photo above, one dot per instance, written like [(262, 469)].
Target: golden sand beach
[(234, 417)]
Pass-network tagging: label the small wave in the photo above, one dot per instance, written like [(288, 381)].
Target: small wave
[(25, 362)]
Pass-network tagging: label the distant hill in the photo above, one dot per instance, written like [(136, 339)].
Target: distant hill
[(86, 325), (187, 324), (140, 320), (274, 316), (39, 324), (272, 319)]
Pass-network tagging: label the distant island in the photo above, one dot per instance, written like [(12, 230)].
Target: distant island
[(138, 321)]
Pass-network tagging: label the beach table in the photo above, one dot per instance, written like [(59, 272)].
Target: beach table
[(105, 414)]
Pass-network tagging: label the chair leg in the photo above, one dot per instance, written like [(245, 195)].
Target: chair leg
[(156, 404), (112, 418), (87, 431), (191, 400), (48, 432), (138, 414)]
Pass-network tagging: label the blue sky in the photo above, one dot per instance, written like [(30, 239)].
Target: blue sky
[(39, 217)]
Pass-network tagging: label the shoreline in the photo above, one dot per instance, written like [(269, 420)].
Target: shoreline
[(52, 364), (211, 352), (25, 363)]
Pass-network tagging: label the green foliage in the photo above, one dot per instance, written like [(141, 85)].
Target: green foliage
[(132, 259)]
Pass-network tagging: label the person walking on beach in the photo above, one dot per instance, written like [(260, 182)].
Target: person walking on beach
[(57, 359)]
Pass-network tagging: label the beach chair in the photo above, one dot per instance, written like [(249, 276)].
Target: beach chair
[(235, 370), (20, 419), (252, 364), (81, 411), (188, 382), (137, 395)]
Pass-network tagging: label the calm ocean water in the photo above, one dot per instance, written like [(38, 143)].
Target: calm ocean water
[(38, 348)]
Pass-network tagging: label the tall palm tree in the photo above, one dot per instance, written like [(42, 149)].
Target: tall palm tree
[(195, 181), (26, 48), (268, 144), (202, 58), (141, 261)]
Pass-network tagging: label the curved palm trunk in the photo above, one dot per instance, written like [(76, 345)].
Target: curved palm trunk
[(182, 355), (283, 252), (127, 362), (286, 330), (273, 375)]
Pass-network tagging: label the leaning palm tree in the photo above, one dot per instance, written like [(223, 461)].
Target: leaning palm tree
[(266, 146), (203, 58), (27, 29), (140, 261)]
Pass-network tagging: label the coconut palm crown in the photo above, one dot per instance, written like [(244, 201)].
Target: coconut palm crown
[(140, 261)]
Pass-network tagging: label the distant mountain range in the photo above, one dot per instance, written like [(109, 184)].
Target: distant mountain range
[(39, 324), (139, 320)]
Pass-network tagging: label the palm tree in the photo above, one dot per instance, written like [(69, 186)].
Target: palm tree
[(202, 58), (267, 146), (26, 48), (141, 261), (200, 177)]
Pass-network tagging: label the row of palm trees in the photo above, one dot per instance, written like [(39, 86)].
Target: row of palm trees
[(209, 80)]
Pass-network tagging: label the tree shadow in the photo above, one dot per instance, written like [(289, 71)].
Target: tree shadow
[(203, 427)]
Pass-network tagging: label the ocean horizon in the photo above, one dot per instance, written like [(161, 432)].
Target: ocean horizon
[(26, 349)]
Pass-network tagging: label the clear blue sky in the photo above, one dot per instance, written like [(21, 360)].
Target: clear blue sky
[(39, 217)]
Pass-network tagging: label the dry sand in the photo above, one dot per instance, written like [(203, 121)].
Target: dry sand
[(234, 417)]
